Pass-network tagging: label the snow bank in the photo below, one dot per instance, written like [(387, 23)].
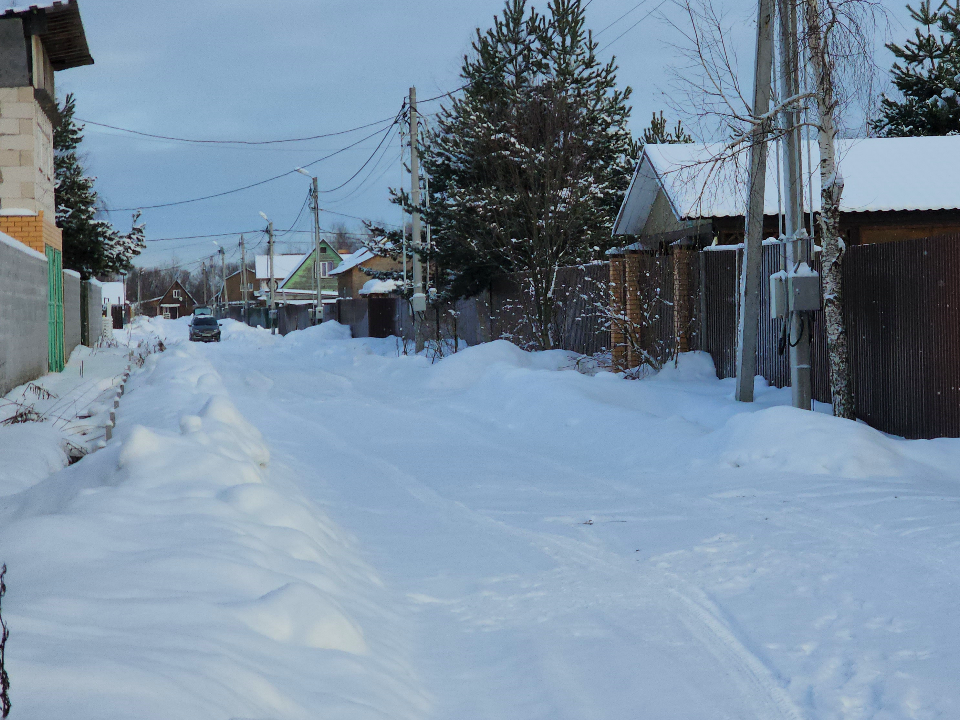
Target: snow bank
[(176, 573), (788, 440)]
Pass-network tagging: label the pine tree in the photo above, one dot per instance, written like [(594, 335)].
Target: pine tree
[(90, 246), (657, 133), (529, 164), (927, 75)]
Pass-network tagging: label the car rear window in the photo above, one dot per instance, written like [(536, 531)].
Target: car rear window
[(204, 321)]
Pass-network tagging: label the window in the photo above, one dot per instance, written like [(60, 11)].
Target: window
[(249, 286), (177, 295), (323, 250), (325, 269)]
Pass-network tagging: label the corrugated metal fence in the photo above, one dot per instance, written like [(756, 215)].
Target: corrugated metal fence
[(903, 323)]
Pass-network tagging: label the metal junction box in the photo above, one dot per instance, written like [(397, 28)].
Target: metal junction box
[(803, 289)]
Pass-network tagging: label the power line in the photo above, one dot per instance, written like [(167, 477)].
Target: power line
[(598, 34), (367, 161), (232, 142), (646, 15), (252, 185)]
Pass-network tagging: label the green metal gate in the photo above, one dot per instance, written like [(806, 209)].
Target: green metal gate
[(55, 359)]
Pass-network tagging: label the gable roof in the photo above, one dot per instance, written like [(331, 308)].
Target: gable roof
[(283, 265), (880, 174), (177, 283), (306, 257), (352, 260)]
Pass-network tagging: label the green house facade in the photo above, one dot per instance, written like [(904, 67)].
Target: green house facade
[(302, 277)]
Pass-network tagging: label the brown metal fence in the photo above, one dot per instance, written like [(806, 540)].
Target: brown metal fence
[(903, 324), (580, 325)]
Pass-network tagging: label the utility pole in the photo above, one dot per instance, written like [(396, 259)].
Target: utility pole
[(419, 300), (749, 325), (223, 280), (318, 309), (243, 277), (273, 298), (205, 283), (798, 325)]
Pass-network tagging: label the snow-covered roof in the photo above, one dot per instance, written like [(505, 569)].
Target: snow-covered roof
[(374, 286), (352, 260), (112, 292), (880, 174), (283, 266)]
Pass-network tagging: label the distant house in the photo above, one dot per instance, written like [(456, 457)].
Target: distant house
[(350, 274), (299, 284), (283, 266), (235, 287), (175, 303)]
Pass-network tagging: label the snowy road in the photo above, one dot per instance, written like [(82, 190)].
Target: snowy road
[(575, 547), (493, 536)]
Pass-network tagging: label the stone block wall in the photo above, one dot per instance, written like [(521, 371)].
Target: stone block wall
[(23, 315), (26, 153)]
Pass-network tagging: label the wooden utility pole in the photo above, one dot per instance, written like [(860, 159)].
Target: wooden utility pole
[(243, 277), (205, 283), (223, 280), (749, 325), (797, 242), (273, 297), (419, 299), (318, 309)]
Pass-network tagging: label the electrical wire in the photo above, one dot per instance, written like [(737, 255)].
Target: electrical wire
[(648, 14), (598, 34), (232, 142), (252, 185)]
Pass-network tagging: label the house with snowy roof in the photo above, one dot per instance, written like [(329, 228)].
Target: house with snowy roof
[(685, 197), (894, 189), (283, 266), (351, 278), (302, 278)]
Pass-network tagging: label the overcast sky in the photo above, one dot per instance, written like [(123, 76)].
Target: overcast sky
[(254, 70)]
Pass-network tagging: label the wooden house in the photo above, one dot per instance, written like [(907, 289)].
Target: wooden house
[(350, 274), (681, 199), (175, 303)]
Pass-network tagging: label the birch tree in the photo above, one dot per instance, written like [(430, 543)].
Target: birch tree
[(819, 29)]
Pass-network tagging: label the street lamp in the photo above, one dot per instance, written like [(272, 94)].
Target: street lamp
[(315, 192)]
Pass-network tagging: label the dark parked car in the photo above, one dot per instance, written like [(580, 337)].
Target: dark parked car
[(204, 328)]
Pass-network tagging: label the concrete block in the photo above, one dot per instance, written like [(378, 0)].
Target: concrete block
[(16, 142), (19, 174), (25, 95), (27, 190), (8, 94), (13, 158), (23, 317), (20, 110), (26, 158), (27, 126), (9, 126)]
